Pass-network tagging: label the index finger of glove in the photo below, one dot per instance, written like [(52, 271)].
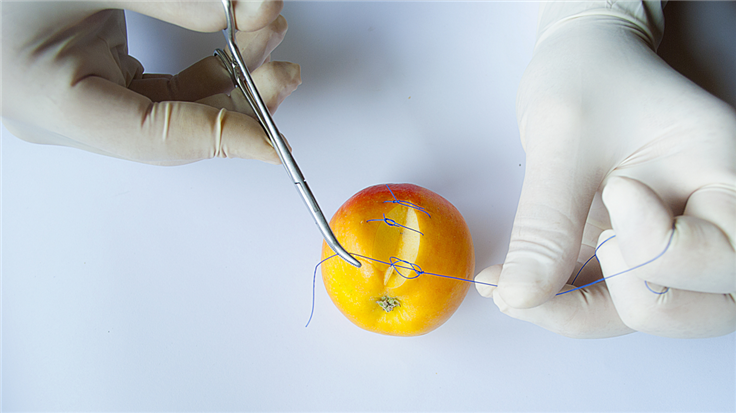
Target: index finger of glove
[(116, 120), (209, 16), (208, 76)]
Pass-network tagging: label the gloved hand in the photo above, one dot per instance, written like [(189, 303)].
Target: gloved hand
[(618, 143), (68, 80)]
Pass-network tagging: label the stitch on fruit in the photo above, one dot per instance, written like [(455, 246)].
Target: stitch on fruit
[(391, 223), (414, 267), (405, 203)]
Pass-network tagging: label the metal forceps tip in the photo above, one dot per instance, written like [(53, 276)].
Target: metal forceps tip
[(242, 80)]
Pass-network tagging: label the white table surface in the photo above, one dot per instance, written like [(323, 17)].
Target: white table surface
[(142, 288)]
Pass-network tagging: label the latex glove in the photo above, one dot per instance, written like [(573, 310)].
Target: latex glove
[(598, 110), (68, 80)]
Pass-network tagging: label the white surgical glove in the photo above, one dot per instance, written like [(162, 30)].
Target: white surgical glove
[(67, 79), (618, 143)]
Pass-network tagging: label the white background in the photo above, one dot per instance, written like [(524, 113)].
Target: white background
[(134, 287)]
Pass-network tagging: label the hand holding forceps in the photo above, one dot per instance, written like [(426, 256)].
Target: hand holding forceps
[(242, 80)]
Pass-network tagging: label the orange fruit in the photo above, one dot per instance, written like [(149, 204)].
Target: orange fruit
[(417, 260)]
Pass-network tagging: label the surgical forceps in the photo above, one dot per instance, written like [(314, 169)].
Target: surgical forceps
[(242, 80)]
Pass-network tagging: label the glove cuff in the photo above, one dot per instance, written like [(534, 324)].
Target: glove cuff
[(646, 18)]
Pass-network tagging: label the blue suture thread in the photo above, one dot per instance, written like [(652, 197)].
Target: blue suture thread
[(586, 263), (314, 287), (414, 267), (394, 262), (405, 203), (595, 255), (391, 223)]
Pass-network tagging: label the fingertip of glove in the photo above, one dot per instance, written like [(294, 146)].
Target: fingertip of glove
[(487, 280), (605, 236), (294, 70), (616, 187), (271, 157), (256, 15), (272, 161)]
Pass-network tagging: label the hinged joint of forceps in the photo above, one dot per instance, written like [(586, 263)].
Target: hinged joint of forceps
[(243, 81)]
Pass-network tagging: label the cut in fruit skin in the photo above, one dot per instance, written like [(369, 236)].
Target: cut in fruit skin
[(418, 231)]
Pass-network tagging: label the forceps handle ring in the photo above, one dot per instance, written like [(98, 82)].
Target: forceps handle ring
[(243, 81)]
